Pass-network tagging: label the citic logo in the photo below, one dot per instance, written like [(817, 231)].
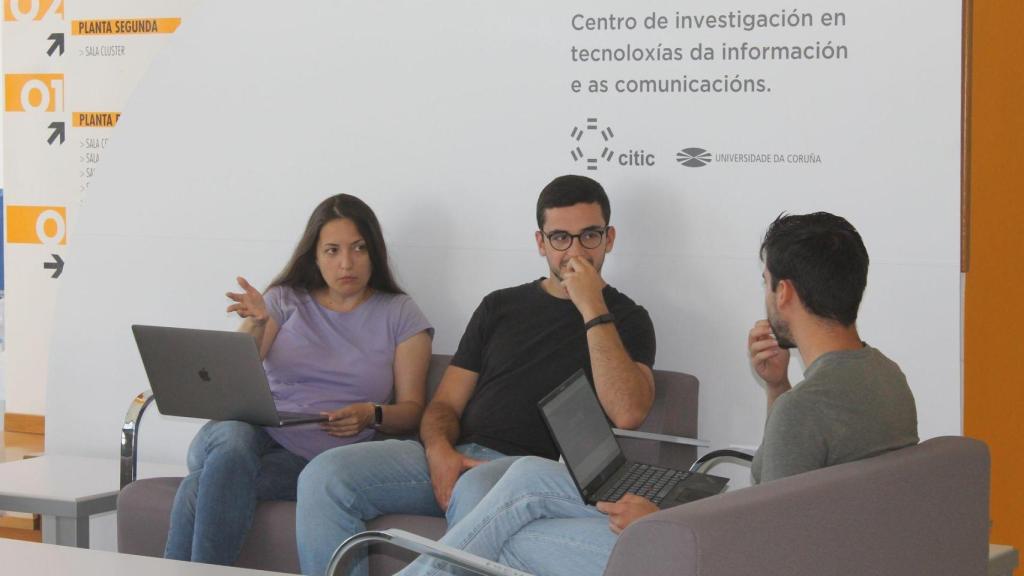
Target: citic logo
[(37, 225), (586, 145), (586, 139)]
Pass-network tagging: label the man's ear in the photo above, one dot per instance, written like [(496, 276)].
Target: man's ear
[(609, 239), (785, 294), (541, 247)]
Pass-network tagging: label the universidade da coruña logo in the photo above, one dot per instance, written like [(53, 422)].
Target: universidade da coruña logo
[(693, 157)]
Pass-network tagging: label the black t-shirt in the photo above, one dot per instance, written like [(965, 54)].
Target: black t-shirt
[(523, 342)]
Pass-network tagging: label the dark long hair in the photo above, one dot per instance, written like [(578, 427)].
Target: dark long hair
[(302, 271)]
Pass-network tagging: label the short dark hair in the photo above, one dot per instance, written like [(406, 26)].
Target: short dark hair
[(570, 190), (302, 271), (824, 257)]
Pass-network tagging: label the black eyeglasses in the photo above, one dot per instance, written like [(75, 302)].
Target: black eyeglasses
[(561, 241)]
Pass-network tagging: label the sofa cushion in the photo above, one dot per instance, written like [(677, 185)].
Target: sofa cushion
[(144, 516), (144, 511)]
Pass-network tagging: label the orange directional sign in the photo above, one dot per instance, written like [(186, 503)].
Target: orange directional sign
[(27, 10), (34, 92), (124, 26), (94, 119), (37, 225)]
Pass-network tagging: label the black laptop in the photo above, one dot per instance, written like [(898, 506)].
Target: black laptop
[(596, 462), (210, 374)]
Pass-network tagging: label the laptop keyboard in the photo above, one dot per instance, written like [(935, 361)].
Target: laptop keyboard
[(651, 482)]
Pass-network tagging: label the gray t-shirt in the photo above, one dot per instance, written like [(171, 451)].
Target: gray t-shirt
[(852, 404)]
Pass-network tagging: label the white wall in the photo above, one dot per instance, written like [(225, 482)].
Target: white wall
[(448, 118)]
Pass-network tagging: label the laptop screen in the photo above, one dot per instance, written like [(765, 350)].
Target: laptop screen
[(581, 429)]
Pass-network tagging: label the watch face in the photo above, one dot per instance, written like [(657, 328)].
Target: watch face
[(378, 414)]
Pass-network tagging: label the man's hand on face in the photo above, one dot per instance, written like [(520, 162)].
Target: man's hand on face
[(583, 283), (770, 361), (627, 510), (446, 465)]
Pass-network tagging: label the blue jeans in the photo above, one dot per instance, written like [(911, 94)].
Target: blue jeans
[(344, 487), (533, 520), (232, 465)]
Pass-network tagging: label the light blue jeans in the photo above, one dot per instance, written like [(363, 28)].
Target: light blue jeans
[(344, 487), (232, 465), (533, 520)]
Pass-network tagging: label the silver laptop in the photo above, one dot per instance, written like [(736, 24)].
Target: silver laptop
[(210, 374), (596, 462)]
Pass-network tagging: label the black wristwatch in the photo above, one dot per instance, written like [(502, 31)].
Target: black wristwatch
[(598, 320), (378, 414)]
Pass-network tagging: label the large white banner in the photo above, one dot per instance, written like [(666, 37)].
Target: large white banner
[(67, 73), (703, 121)]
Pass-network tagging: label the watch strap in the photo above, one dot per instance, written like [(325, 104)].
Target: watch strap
[(598, 320)]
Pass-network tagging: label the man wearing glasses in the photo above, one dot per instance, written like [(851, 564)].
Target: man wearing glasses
[(520, 344)]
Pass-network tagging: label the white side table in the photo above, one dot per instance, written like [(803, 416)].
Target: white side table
[(65, 490), (31, 558)]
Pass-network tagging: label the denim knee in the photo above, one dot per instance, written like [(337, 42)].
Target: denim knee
[(323, 472), (230, 438), (533, 473), (472, 486)]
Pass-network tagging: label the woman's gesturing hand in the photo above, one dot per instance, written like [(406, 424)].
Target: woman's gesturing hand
[(249, 303)]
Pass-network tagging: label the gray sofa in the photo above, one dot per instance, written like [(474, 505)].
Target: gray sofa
[(143, 506), (919, 510)]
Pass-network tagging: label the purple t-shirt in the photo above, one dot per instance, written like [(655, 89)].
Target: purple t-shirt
[(322, 360)]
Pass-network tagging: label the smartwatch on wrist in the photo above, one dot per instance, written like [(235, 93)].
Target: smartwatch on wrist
[(378, 415)]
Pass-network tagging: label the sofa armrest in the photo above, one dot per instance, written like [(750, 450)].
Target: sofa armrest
[(421, 545), (670, 438), (674, 413), (130, 436), (918, 510), (716, 457)]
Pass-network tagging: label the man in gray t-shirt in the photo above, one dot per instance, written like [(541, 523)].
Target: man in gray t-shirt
[(853, 402)]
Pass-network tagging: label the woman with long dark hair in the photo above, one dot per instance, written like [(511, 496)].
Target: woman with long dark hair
[(338, 337)]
